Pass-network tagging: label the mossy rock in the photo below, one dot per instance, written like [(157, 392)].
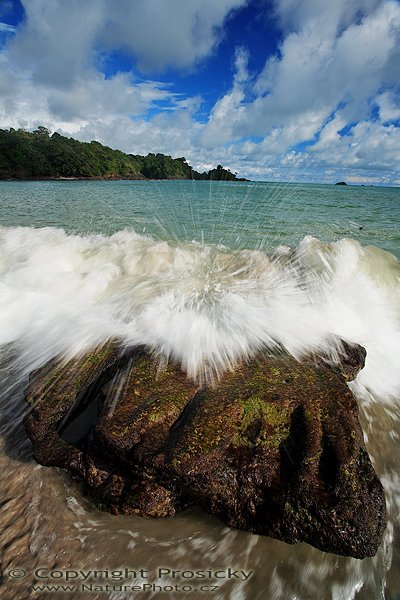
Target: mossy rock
[(275, 447)]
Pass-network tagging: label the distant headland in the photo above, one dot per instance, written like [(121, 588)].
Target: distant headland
[(40, 155)]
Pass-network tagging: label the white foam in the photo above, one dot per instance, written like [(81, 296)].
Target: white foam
[(204, 306)]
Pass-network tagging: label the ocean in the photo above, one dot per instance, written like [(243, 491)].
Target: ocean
[(205, 273)]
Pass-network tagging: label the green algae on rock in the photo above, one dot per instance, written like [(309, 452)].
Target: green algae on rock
[(275, 447)]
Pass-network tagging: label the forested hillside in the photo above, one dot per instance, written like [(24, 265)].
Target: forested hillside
[(38, 154)]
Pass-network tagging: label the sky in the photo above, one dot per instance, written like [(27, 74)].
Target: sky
[(288, 90)]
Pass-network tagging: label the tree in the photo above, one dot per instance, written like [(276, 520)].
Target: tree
[(39, 154), (42, 131)]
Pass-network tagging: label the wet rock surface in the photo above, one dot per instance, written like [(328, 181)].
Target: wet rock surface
[(274, 448)]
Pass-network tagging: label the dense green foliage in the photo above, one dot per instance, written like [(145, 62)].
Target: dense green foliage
[(25, 155)]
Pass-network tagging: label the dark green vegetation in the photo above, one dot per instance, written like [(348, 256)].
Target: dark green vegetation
[(38, 155), (274, 447)]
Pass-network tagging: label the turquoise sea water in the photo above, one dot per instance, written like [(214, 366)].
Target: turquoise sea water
[(244, 214), (206, 273)]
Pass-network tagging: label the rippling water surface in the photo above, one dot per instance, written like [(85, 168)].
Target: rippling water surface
[(205, 273)]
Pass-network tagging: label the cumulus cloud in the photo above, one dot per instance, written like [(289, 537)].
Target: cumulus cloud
[(49, 72), (92, 99), (229, 108), (331, 17), (58, 39), (174, 33), (53, 46), (389, 106), (168, 132), (319, 68), (328, 100), (25, 103), (368, 145), (332, 65)]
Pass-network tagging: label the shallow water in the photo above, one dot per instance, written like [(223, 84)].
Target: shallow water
[(206, 274)]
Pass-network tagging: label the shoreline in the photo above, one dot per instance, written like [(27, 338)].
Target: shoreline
[(118, 178)]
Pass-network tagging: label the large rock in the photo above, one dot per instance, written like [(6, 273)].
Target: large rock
[(274, 448)]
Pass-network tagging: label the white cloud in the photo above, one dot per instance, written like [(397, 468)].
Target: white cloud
[(389, 106), (229, 108), (318, 70), (330, 17), (4, 27), (48, 71), (58, 39), (173, 33), (334, 60), (54, 44), (369, 145), (24, 103), (168, 132), (98, 97), (49, 75), (337, 61)]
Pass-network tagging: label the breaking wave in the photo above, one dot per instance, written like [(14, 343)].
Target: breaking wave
[(202, 305)]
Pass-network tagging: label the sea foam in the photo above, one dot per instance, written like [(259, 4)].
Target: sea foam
[(206, 307)]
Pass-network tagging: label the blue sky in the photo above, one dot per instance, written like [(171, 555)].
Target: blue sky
[(300, 90)]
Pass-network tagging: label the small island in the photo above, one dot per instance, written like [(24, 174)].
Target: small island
[(341, 183), (40, 155)]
